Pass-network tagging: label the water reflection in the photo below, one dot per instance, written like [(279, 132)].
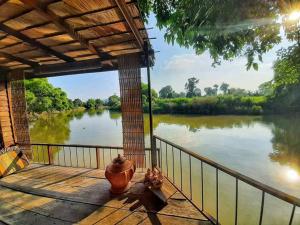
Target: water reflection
[(56, 128), (285, 141)]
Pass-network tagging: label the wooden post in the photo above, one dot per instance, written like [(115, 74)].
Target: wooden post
[(97, 158), (152, 144)]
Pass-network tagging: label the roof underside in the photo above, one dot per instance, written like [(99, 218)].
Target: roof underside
[(57, 37)]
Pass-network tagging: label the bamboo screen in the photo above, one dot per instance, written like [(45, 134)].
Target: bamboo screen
[(19, 118), (7, 136), (132, 108)]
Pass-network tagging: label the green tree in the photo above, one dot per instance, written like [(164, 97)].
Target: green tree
[(77, 103), (227, 29), (209, 91), (41, 96), (266, 88), (114, 102), (216, 88), (224, 88), (237, 91), (167, 92), (98, 103), (90, 104), (191, 87)]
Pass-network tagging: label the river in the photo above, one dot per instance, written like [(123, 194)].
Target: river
[(266, 148)]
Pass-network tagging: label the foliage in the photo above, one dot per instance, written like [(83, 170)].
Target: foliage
[(224, 88), (227, 29), (41, 96), (114, 102), (211, 105), (285, 86), (77, 103), (266, 88), (167, 92), (191, 88)]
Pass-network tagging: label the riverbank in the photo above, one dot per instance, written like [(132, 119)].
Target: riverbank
[(32, 116)]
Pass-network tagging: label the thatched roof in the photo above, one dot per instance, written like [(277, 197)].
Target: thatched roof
[(46, 36)]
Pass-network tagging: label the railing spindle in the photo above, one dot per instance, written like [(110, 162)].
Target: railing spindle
[(160, 151), (76, 157), (97, 158), (83, 157), (103, 158), (70, 156), (43, 151), (90, 158), (180, 159), (167, 160), (191, 187), (292, 215), (236, 200), (262, 207), (64, 156), (217, 195), (173, 165), (202, 187), (49, 155)]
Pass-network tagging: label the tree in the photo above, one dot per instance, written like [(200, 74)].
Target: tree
[(41, 96), (77, 103), (227, 29), (237, 92), (90, 104), (216, 88), (266, 88), (190, 87), (224, 88), (98, 103), (114, 102), (167, 92), (209, 91), (145, 98)]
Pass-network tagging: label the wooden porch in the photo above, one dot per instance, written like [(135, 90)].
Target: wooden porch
[(44, 194)]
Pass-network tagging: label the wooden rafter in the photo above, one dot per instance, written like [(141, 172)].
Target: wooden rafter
[(34, 43), (3, 2), (60, 23), (124, 10), (85, 66), (21, 60)]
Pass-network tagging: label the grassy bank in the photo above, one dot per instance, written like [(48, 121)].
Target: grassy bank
[(210, 105)]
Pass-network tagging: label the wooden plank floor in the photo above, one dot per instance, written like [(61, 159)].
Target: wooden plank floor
[(46, 195)]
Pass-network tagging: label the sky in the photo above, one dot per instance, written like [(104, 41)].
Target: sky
[(173, 66)]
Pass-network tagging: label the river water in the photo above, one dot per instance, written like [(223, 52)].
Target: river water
[(264, 148)]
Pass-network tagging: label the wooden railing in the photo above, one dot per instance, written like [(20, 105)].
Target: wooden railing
[(182, 167), (84, 156), (170, 161)]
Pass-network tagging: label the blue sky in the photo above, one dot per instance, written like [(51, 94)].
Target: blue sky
[(173, 65)]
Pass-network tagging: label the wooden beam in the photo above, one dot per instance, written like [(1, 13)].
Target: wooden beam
[(60, 23), (124, 10), (80, 66), (34, 43), (3, 2), (18, 59)]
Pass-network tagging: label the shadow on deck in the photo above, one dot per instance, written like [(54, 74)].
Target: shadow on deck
[(43, 194)]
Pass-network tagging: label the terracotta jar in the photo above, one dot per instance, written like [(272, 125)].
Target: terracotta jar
[(119, 173)]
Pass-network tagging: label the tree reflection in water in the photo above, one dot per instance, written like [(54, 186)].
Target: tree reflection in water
[(286, 141)]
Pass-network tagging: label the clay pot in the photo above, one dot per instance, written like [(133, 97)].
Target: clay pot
[(119, 173)]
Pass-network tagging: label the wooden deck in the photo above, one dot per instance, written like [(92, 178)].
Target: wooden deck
[(46, 195)]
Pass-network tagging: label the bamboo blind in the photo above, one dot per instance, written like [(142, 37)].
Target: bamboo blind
[(132, 108), (7, 136), (19, 118)]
